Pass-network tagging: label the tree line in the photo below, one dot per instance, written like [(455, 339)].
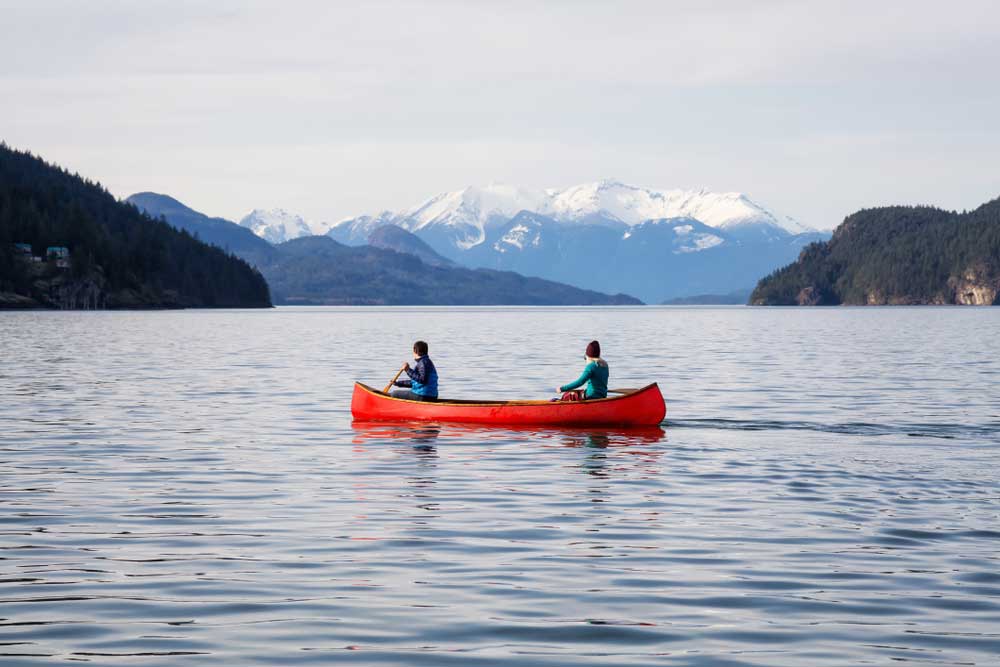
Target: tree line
[(134, 259), (896, 254)]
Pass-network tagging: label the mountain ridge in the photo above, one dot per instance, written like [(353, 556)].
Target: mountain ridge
[(219, 232), (398, 268), (276, 225), (606, 236), (896, 255), (77, 247), (594, 236), (474, 208), (391, 237), (316, 270)]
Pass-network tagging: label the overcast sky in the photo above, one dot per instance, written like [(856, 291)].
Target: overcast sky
[(331, 109)]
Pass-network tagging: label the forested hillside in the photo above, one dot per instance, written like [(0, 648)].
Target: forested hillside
[(896, 255), (105, 253), (316, 270), (217, 231)]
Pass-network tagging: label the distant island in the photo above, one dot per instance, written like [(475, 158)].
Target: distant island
[(65, 242), (395, 267), (897, 255)]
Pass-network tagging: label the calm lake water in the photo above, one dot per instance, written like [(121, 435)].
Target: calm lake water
[(187, 488)]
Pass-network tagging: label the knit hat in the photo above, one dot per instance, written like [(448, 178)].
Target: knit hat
[(594, 350)]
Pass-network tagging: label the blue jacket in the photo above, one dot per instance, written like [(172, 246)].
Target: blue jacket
[(596, 376), (423, 378)]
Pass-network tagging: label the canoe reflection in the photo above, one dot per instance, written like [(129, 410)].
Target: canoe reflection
[(417, 433), (424, 432), (604, 451)]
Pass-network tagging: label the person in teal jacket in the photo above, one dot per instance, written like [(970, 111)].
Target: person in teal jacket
[(595, 374)]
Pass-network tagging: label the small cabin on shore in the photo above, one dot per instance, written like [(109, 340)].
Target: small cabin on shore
[(23, 250), (58, 254)]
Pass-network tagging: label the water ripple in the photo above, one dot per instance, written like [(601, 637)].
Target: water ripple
[(188, 488)]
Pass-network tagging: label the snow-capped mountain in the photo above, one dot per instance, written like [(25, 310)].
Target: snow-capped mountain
[(530, 232), (655, 259), (461, 217), (465, 217), (277, 225), (680, 235), (607, 235), (355, 231), (633, 205), (473, 210)]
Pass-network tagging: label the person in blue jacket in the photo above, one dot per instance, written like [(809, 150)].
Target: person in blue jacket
[(595, 375), (423, 382)]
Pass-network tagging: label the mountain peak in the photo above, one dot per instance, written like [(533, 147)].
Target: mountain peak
[(149, 195), (276, 225), (393, 237), (216, 231)]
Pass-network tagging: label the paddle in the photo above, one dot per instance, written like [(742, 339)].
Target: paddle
[(393, 380), (622, 391)]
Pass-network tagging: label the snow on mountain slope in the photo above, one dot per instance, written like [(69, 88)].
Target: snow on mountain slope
[(465, 216), (277, 225), (473, 208), (679, 235), (626, 203), (518, 236), (355, 231), (633, 205), (462, 215), (729, 210), (478, 204), (524, 230)]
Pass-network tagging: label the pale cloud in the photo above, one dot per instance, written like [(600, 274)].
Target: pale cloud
[(335, 109)]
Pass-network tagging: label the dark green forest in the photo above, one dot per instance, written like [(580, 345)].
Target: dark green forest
[(118, 256), (896, 255)]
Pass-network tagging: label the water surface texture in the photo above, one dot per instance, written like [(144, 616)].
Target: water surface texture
[(187, 488)]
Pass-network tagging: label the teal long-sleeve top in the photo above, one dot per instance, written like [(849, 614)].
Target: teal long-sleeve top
[(595, 375)]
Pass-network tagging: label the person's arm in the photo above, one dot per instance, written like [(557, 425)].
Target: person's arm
[(418, 372), (580, 381), (405, 383)]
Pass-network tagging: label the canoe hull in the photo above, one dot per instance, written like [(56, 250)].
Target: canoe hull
[(644, 407)]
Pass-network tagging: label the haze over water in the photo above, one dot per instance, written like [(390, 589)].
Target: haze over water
[(187, 488)]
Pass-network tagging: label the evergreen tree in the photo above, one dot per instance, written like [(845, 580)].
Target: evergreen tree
[(897, 254), (136, 260)]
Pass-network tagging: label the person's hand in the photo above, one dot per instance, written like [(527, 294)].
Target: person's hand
[(559, 390), (406, 366)]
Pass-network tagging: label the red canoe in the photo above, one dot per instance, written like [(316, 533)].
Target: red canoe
[(641, 407)]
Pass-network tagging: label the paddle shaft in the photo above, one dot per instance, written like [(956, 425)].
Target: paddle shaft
[(622, 391), (393, 381)]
